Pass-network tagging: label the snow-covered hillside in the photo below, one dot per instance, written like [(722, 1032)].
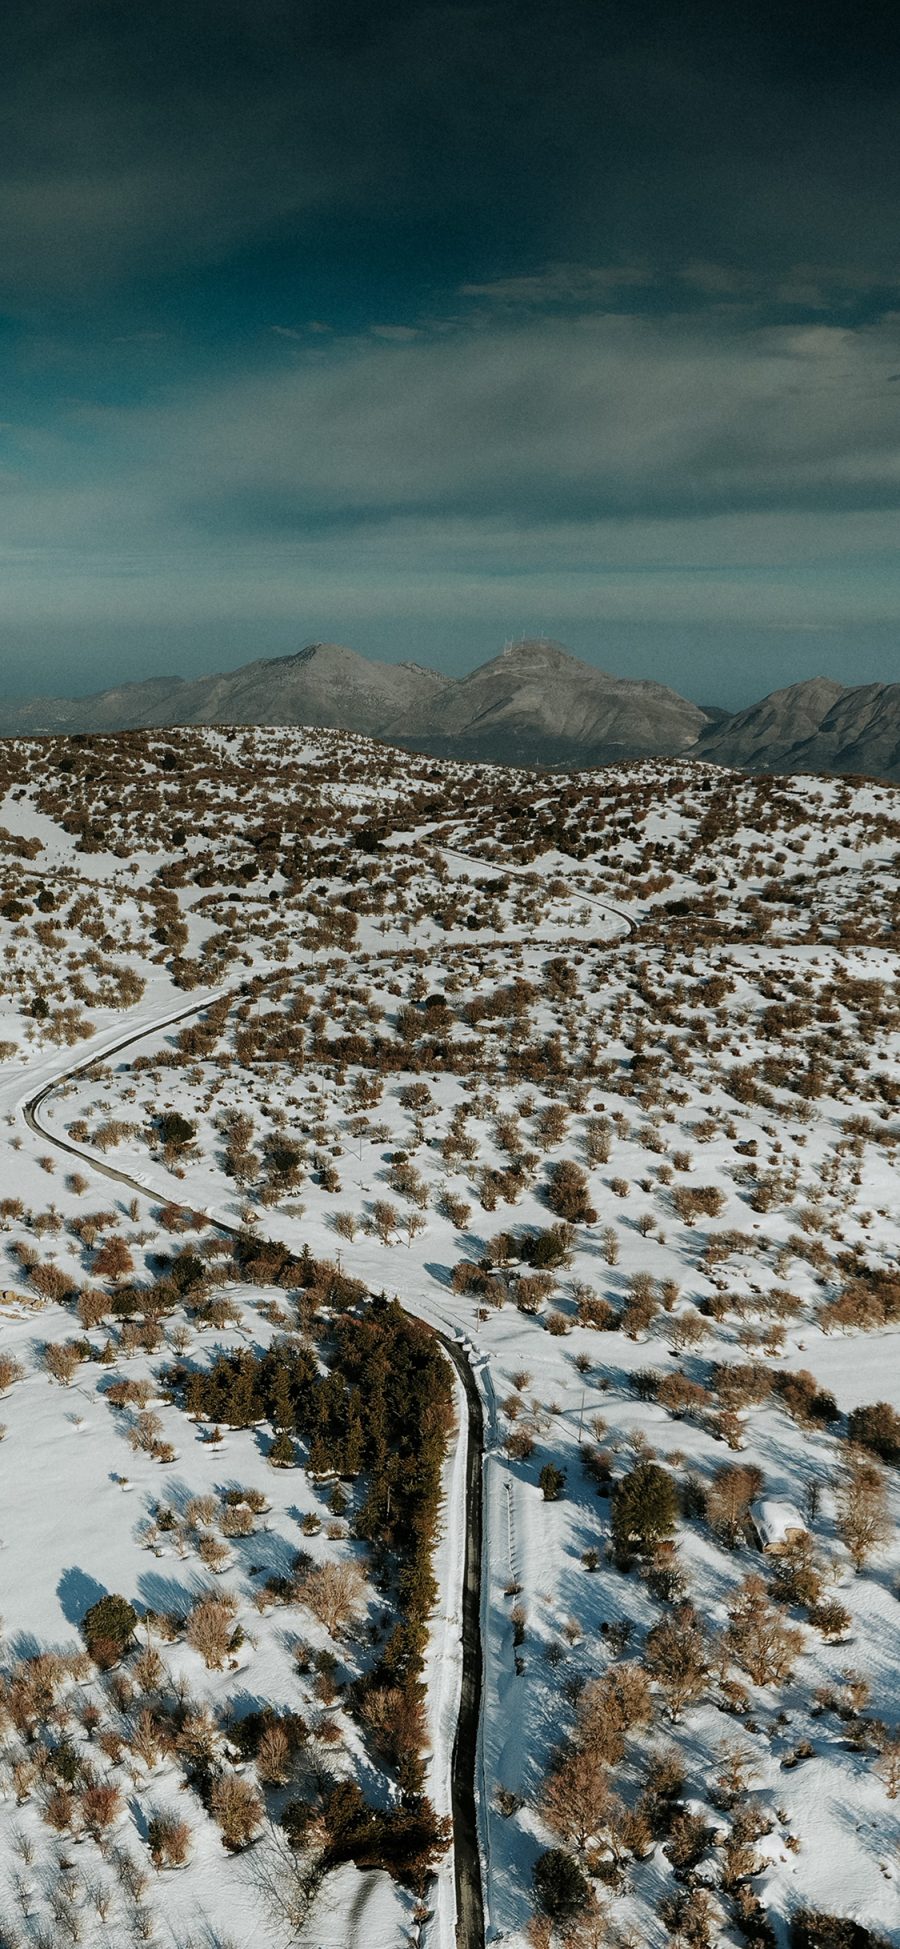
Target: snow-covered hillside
[(597, 1073)]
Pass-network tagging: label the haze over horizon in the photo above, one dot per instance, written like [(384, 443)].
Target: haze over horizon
[(430, 328)]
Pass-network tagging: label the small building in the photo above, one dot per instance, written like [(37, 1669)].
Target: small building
[(779, 1525)]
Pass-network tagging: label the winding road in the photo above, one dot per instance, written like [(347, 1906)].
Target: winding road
[(467, 1856), (470, 1931)]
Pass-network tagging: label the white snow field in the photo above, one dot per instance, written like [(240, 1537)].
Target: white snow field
[(597, 1074)]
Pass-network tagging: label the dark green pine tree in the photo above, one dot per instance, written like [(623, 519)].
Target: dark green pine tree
[(354, 1444), (244, 1405), (282, 1453), (280, 1399)]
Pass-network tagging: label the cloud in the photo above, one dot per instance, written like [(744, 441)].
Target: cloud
[(638, 470), (567, 419), (395, 334), (136, 144), (564, 284)]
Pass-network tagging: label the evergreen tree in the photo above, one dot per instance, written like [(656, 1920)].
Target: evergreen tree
[(560, 1888), (282, 1453), (645, 1508)]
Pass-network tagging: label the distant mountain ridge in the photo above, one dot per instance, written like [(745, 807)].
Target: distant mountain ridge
[(534, 704), (814, 726)]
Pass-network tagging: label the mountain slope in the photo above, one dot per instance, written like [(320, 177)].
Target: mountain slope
[(764, 733), (815, 726), (324, 684), (533, 704), (538, 704), (861, 733)]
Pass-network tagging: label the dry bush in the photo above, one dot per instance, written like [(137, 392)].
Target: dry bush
[(609, 1245), (598, 1141), (101, 1805), (145, 1431), (148, 1739), (888, 1763), (169, 1840), (238, 1809), (11, 1370), (273, 1758), (334, 1592), (577, 1801), (237, 1520), (210, 1628), (130, 1394), (385, 1220), (610, 1707), (568, 1194), (741, 1384), (733, 1488), (454, 1208), (864, 1522), (697, 1201), (113, 1260), (201, 1511), (52, 1283), (61, 1360), (759, 1636), (876, 1428), (681, 1397), (148, 1670), (59, 1809), (687, 1330), (93, 1306), (677, 1655)]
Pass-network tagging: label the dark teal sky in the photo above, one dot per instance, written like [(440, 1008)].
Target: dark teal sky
[(421, 326)]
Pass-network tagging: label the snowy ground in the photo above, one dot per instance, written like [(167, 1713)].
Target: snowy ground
[(743, 1041)]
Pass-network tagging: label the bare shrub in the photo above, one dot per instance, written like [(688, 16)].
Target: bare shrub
[(210, 1629), (273, 1759), (864, 1523), (101, 1805), (238, 1809), (61, 1360), (11, 1370), (334, 1593), (760, 1637), (577, 1800), (733, 1488), (169, 1840)]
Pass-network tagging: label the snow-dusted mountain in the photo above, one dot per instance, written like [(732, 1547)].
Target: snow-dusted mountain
[(537, 704), (324, 684), (534, 704), (817, 726)]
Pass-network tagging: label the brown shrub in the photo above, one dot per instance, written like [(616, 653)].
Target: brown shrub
[(11, 1370), (209, 1629), (169, 1840), (101, 1805), (238, 1808)]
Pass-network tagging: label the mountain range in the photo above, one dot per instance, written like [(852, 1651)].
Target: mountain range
[(534, 704)]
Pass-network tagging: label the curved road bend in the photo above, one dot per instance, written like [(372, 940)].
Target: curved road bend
[(466, 1850), (520, 872)]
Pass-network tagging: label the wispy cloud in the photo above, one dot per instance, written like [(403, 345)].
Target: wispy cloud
[(564, 284), (645, 470)]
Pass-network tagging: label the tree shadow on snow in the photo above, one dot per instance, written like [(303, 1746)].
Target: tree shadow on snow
[(165, 1594), (77, 1592)]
